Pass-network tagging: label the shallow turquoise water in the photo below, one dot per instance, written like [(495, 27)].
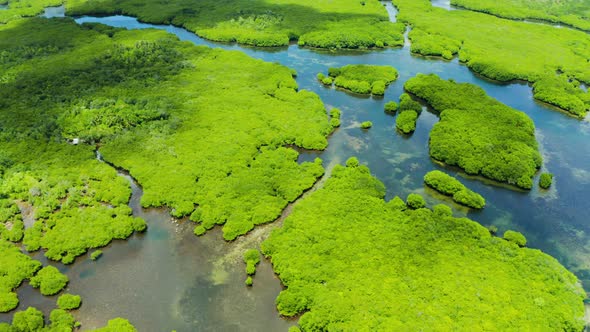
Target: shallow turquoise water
[(168, 279)]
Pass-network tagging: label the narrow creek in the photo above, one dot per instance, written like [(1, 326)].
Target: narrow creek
[(169, 279)]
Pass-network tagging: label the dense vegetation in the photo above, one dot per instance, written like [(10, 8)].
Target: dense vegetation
[(362, 79), (478, 133), (33, 320), (351, 261), (545, 180), (564, 93), (24, 8), (15, 267), (448, 185), (342, 24), (515, 237), (195, 126), (69, 302), (409, 110), (49, 280), (575, 13), (501, 49), (391, 107)]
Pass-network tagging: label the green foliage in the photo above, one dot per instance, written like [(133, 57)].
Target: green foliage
[(560, 92), (351, 263), (362, 79), (545, 180), (200, 230), (391, 107), (406, 103), (25, 8), (415, 201), (434, 44), (500, 49), (346, 24), (69, 302), (249, 281), (515, 237), (575, 13), (176, 147), (117, 325), (15, 267), (49, 280), (448, 185), (96, 254), (478, 133), (251, 258), (30, 320), (366, 124), (442, 210), (406, 121)]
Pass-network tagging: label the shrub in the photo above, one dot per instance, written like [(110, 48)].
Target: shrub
[(448, 185), (320, 76), (96, 255), (352, 162), (443, 183), (327, 80), (406, 121), (49, 280), (249, 281), (397, 204), (545, 180), (378, 88), (469, 198), (366, 124), (406, 103), (200, 230), (335, 122), (29, 320), (415, 201), (391, 107), (515, 237), (362, 79), (69, 302), (251, 258), (442, 210), (335, 113)]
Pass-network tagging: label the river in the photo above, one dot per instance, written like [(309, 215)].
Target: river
[(169, 279)]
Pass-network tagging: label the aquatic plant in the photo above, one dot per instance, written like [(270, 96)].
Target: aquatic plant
[(351, 261), (448, 185), (478, 133)]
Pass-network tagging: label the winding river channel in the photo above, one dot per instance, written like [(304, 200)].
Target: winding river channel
[(169, 279)]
